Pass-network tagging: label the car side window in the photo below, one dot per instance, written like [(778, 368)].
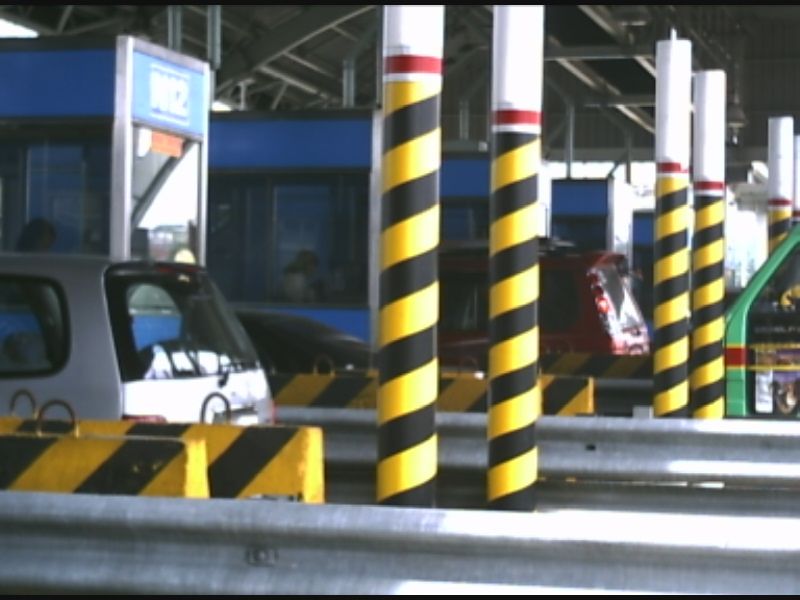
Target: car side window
[(33, 327)]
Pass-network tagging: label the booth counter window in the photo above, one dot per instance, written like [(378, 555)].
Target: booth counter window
[(61, 175), (165, 188)]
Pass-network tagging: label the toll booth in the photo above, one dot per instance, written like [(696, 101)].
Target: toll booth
[(105, 139), (762, 339), (284, 186)]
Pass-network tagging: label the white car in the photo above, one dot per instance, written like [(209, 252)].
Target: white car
[(124, 340)]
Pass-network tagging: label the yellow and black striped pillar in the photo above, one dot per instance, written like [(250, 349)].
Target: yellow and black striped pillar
[(671, 309), (707, 379), (408, 296), (780, 186), (515, 397)]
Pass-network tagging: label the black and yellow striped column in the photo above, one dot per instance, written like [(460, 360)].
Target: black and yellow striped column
[(408, 296), (707, 379), (515, 397), (780, 186), (671, 237)]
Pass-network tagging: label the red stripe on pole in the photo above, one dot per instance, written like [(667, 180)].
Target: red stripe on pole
[(412, 64), (735, 356), (779, 202), (709, 186), (671, 167), (517, 117)]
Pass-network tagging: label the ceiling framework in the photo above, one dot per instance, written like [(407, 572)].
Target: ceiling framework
[(599, 88)]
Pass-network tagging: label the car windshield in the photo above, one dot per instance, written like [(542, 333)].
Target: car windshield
[(172, 322)]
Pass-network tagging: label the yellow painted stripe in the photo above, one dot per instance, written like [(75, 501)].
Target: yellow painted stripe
[(711, 332), (461, 394), (582, 403), (298, 469), (671, 400), (515, 291), (367, 397), (708, 373), (412, 160), (408, 393), (513, 475), (411, 314), (189, 470), (409, 469), (671, 265), (517, 164), (514, 228), (515, 413), (624, 366), (671, 311), (710, 215), (399, 94), (514, 353), (413, 236), (671, 222), (66, 464), (572, 362), (670, 184), (709, 294), (714, 410), (671, 355), (710, 254), (302, 390)]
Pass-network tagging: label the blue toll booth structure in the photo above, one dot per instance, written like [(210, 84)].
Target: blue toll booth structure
[(104, 138), (299, 193)]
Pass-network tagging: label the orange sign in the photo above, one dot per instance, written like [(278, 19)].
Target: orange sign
[(166, 143)]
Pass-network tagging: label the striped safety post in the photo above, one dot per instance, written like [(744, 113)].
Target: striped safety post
[(515, 398), (408, 295), (670, 250), (707, 379), (780, 185)]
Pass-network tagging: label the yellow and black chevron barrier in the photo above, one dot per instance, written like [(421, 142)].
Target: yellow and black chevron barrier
[(599, 366), (101, 464), (238, 462), (458, 392)]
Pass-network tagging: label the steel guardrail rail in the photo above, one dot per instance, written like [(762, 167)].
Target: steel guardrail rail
[(70, 543), (729, 461)]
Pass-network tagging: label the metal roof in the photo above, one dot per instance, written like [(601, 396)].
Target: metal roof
[(599, 63)]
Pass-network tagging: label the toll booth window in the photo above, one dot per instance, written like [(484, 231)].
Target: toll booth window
[(61, 174), (33, 327), (290, 239), (165, 196), (465, 219), (773, 369)]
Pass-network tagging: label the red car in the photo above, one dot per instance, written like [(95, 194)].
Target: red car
[(585, 304)]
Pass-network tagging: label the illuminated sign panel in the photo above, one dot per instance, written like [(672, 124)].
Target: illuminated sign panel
[(166, 95)]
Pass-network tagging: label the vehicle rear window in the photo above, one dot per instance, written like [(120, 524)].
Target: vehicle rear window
[(625, 307), (173, 323), (33, 327)]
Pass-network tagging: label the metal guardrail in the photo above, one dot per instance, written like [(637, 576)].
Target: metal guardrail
[(73, 543), (746, 466)]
